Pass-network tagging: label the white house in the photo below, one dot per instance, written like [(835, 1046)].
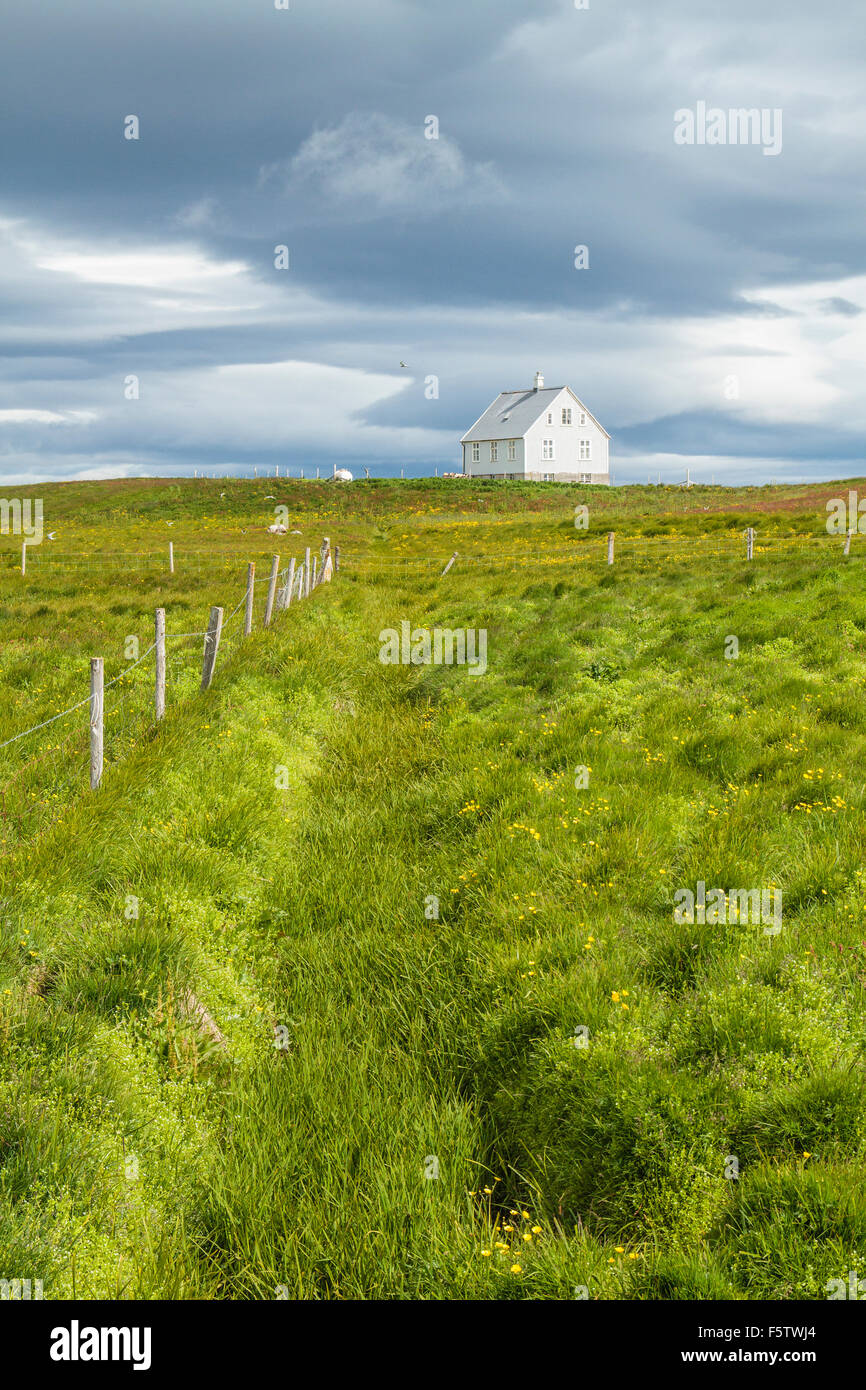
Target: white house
[(545, 435)]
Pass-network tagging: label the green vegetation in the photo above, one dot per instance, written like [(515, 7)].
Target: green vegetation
[(243, 1089)]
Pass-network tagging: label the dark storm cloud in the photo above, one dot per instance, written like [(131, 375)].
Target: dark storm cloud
[(306, 128)]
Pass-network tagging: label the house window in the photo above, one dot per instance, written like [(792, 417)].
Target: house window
[(512, 450), (550, 417), (583, 417), (586, 477), (494, 452), (585, 450), (566, 414), (476, 453), (547, 450)]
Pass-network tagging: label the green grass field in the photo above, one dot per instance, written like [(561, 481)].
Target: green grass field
[(292, 1074)]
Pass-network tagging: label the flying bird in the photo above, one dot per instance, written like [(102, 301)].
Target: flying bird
[(52, 535), (402, 364)]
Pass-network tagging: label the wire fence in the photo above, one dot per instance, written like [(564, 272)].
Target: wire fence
[(654, 549), (54, 754)]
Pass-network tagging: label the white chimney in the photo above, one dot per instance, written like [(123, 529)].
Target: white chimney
[(539, 382)]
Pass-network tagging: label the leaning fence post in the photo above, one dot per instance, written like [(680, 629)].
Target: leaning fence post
[(211, 645), (248, 610), (610, 536), (448, 566), (272, 589), (286, 591), (160, 663), (315, 571), (97, 690), (307, 572), (750, 542), (847, 549), (171, 557)]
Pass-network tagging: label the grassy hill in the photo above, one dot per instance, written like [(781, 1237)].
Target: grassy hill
[(296, 1003)]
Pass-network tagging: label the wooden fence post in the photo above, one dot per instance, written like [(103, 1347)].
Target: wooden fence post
[(847, 549), (171, 557), (325, 548), (315, 571), (448, 566), (286, 591), (97, 702), (211, 646), (248, 610), (307, 572), (750, 542), (160, 663), (272, 589), (610, 536)]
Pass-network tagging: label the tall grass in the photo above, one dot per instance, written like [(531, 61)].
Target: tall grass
[(290, 1075)]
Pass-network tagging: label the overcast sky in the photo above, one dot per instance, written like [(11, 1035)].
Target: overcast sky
[(719, 324)]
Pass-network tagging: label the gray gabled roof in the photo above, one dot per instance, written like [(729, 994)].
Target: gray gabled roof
[(514, 412)]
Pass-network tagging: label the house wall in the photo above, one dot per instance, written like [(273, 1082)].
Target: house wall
[(488, 468), (566, 445)]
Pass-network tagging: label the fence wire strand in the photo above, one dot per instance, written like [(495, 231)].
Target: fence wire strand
[(36, 794)]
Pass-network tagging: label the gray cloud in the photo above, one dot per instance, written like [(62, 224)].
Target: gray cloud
[(155, 257), (370, 166), (839, 306)]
